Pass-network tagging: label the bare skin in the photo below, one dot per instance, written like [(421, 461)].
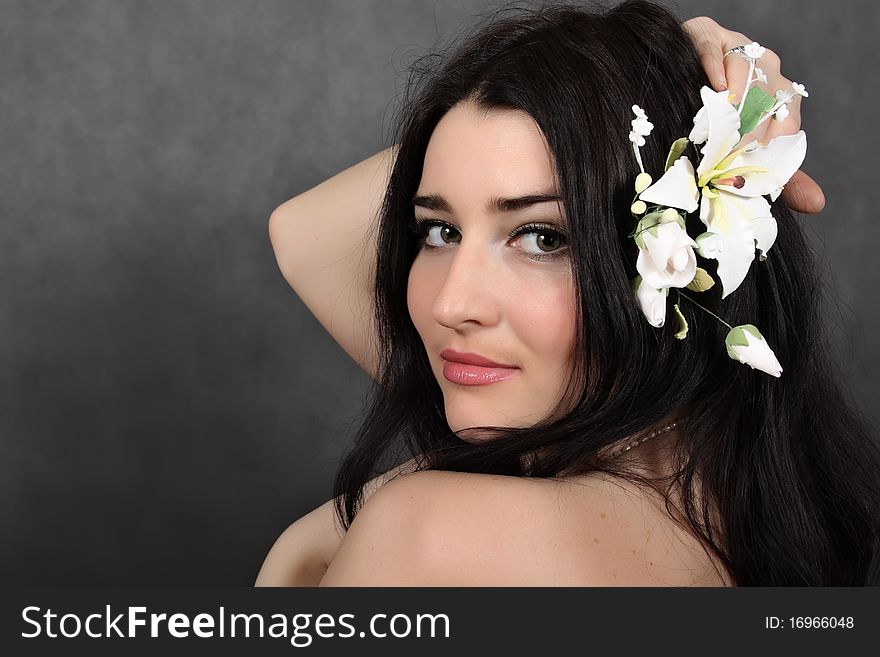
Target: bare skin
[(323, 246), (440, 528)]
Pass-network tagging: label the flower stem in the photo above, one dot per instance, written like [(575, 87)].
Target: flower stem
[(638, 157), (681, 294), (742, 100)]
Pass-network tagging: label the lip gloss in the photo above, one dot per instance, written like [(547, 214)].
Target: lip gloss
[(476, 375)]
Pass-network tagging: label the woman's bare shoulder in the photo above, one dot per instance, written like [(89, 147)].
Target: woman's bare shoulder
[(489, 530)]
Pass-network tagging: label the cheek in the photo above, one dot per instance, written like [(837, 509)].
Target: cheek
[(545, 317)]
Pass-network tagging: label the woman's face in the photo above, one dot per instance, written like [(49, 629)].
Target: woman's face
[(480, 291)]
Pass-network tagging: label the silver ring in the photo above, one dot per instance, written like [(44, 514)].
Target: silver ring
[(740, 48)]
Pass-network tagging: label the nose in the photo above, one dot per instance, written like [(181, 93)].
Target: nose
[(469, 293)]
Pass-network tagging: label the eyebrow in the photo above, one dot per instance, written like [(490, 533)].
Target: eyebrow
[(496, 204)]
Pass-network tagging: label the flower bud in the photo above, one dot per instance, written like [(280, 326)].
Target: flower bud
[(746, 345)]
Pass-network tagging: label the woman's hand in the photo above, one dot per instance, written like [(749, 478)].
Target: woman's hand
[(801, 193)]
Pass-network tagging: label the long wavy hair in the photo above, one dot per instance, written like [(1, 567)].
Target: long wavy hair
[(787, 465)]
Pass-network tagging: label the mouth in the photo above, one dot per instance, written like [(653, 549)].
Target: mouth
[(474, 370)]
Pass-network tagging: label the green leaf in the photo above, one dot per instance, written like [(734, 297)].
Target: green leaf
[(757, 102), (682, 324), (648, 222), (675, 152), (702, 281), (635, 283)]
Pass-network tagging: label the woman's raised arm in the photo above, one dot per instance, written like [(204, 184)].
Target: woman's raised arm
[(325, 244)]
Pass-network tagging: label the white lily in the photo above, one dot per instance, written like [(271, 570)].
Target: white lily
[(746, 344), (676, 188), (733, 183)]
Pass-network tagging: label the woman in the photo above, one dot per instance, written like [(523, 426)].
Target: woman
[(600, 450)]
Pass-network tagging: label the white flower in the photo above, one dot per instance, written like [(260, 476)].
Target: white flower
[(677, 188), (753, 51), (652, 302), (641, 128), (799, 89), (733, 184), (781, 114), (667, 258), (783, 95), (641, 125), (759, 75), (722, 129), (746, 345), (700, 131)]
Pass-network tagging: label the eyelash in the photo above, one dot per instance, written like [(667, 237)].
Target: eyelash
[(420, 227)]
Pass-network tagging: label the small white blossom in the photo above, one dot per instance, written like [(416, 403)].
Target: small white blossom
[(753, 51), (641, 125), (799, 89), (781, 114), (759, 75)]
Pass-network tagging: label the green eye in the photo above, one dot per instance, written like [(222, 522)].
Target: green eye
[(444, 232), (549, 242), (543, 242)]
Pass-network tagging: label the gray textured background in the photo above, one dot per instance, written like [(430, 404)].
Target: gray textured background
[(167, 404)]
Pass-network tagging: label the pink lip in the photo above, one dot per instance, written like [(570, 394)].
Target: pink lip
[(470, 359), (473, 370)]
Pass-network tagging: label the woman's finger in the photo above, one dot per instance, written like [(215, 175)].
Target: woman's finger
[(706, 37), (710, 58), (789, 126), (736, 69), (802, 194)]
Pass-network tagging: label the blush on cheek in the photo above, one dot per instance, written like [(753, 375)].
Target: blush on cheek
[(549, 318)]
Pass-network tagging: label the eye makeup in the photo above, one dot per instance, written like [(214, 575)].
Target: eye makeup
[(422, 225)]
